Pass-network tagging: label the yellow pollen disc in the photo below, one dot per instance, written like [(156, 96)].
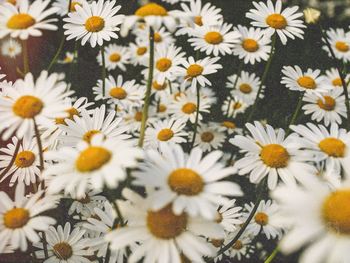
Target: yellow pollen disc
[(24, 159), (165, 135), (342, 46), (207, 137), (141, 51), (165, 224), (229, 124), (151, 9), (16, 218), (138, 116), (184, 259), (276, 21), (307, 82), (157, 37), (198, 20), (237, 105), (118, 93), (72, 112), (13, 2), (237, 245), (73, 5), (213, 38), (20, 21), (328, 103), (189, 108), (27, 107), (185, 181), (115, 57), (274, 155), (217, 242), (337, 82), (194, 71), (158, 86), (250, 45), (245, 88), (89, 134), (177, 95), (336, 211), (162, 108), (92, 158), (333, 147), (219, 218), (261, 218), (163, 64), (94, 24), (62, 250)]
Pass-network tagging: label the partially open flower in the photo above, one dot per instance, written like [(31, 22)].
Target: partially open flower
[(312, 16)]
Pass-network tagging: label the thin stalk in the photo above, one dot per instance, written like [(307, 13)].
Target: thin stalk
[(170, 87), (197, 117), (40, 146), (272, 255), (103, 73), (108, 255), (149, 87), (263, 79), (119, 214), (234, 85), (12, 161), (25, 56), (74, 62), (57, 54), (296, 112)]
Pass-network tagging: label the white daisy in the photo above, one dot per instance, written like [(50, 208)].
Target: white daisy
[(115, 57), (230, 127), (209, 137), (11, 48), (66, 6), (242, 248), (340, 43), (229, 216), (139, 53), (333, 79), (233, 106), (161, 37), (86, 203)]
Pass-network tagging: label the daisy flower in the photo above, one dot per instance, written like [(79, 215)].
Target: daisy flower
[(96, 22), (64, 245), (169, 131), (91, 165), (163, 236), (115, 57), (195, 71), (64, 8), (310, 81), (245, 87), (233, 106), (68, 58), (26, 19), (229, 216), (20, 219), (333, 79), (209, 137), (191, 182), (132, 120), (269, 153), (329, 145), (230, 127), (216, 40), (139, 54), (318, 218), (329, 106), (11, 48), (242, 248), (161, 37), (340, 43), (86, 203), (253, 45), (263, 220), (29, 100), (286, 23)]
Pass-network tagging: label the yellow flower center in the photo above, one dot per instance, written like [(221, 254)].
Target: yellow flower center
[(16, 218), (138, 116), (328, 103), (157, 86), (207, 136), (185, 181), (337, 82), (151, 9), (89, 134), (307, 82), (25, 159), (229, 124), (141, 51), (261, 218), (94, 24), (236, 105), (27, 107), (71, 113), (198, 20), (92, 158), (118, 93), (274, 155), (342, 46), (165, 224), (217, 242), (245, 88), (115, 57), (63, 250), (73, 5), (213, 38), (13, 2), (20, 21), (157, 37), (276, 21), (336, 211), (194, 70), (165, 135), (163, 64), (162, 108), (189, 108), (237, 245), (250, 45), (333, 147)]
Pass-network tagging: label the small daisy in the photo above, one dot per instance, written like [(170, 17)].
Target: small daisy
[(233, 106), (88, 202), (161, 37), (20, 219), (229, 216), (115, 57), (242, 248), (209, 137), (162, 235), (96, 22), (11, 48), (253, 45), (216, 40), (333, 79), (95, 164), (26, 19), (340, 43), (64, 8), (329, 106), (230, 127), (169, 131), (269, 154), (139, 53), (285, 23), (132, 120), (68, 58), (191, 182)]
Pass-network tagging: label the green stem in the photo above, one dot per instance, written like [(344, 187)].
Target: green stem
[(197, 117), (74, 62), (234, 85), (296, 112), (149, 87), (25, 56), (272, 255), (103, 73), (12, 161), (119, 213), (58, 52)]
